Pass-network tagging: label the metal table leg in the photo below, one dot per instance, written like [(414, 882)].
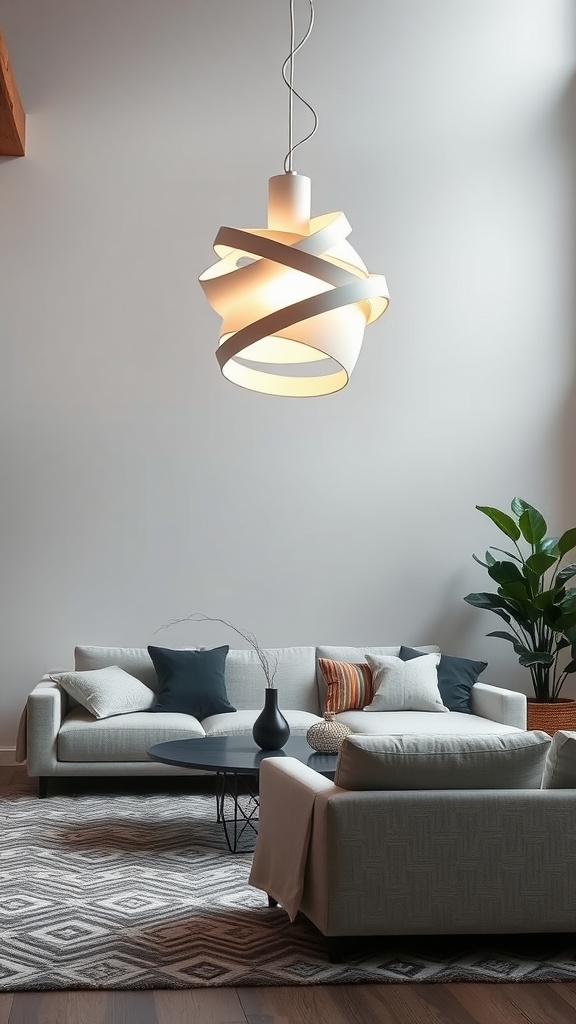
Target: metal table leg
[(242, 817)]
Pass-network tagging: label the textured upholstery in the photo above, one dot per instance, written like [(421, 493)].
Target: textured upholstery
[(106, 691), (240, 723), (434, 862), (405, 685), (45, 711), (513, 761), (499, 704), (48, 707), (122, 738), (380, 723), (295, 676), (134, 660), (295, 679)]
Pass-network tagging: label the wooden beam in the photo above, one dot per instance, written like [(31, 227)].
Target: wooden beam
[(12, 116)]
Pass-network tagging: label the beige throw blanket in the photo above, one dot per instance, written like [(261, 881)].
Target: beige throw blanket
[(288, 790)]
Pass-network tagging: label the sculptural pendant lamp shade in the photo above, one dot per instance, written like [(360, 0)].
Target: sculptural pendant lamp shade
[(294, 297)]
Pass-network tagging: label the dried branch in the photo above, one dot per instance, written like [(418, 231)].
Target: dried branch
[(269, 661)]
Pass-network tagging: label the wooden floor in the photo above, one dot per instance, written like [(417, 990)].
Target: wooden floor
[(327, 1004)]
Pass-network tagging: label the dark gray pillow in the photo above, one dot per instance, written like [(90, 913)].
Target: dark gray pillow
[(191, 682), (456, 677)]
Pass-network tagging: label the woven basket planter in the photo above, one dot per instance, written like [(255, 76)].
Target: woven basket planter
[(552, 715)]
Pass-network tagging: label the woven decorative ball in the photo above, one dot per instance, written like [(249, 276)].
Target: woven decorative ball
[(327, 737)]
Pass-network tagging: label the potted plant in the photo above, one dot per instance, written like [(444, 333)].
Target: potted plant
[(533, 599)]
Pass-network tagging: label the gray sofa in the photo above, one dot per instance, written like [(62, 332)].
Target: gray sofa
[(61, 738), (495, 855)]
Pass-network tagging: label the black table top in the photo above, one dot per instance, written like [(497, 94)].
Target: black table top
[(237, 754)]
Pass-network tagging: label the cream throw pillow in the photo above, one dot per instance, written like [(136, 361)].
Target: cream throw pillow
[(405, 685), (107, 691), (560, 768)]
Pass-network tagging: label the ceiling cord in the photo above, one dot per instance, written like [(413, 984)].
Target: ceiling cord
[(289, 79)]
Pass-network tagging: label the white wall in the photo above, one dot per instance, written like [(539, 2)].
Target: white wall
[(138, 485)]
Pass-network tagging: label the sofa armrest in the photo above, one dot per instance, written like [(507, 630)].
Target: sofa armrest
[(499, 705), (288, 790), (46, 709)]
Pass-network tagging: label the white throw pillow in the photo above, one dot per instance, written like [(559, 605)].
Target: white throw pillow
[(107, 691), (405, 685), (560, 769)]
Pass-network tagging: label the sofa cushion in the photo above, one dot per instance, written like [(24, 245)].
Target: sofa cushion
[(348, 686), (392, 723), (124, 738), (510, 761), (560, 768), (405, 685), (295, 678), (241, 722), (134, 660), (106, 691), (456, 677), (191, 682)]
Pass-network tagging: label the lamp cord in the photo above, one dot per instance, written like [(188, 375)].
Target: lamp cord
[(289, 79)]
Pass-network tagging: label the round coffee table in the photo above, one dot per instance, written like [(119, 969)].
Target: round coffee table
[(236, 761)]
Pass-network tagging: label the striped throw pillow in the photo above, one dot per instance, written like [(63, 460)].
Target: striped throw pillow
[(348, 686)]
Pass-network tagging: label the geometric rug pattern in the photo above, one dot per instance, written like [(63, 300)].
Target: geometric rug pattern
[(138, 892)]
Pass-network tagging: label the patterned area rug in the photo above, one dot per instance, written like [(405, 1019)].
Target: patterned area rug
[(134, 892)]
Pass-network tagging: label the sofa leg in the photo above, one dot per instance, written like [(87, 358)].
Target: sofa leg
[(42, 787), (272, 902)]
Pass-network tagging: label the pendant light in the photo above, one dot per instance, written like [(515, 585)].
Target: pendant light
[(294, 297)]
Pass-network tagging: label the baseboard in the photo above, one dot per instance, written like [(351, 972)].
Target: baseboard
[(7, 755)]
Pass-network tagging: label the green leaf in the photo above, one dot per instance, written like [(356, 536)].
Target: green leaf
[(571, 666), (502, 614), (507, 610), (503, 521), (518, 505), (483, 600), (545, 600), (506, 572), (539, 563), (490, 560), (533, 525), (533, 582), (509, 554), (567, 541), (566, 574), (568, 602), (523, 652), (504, 636), (549, 546), (564, 622), (515, 590), (536, 658)]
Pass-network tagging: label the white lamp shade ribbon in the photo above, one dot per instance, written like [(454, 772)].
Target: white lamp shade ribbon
[(291, 295)]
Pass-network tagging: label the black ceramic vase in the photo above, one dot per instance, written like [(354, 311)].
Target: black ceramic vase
[(270, 730)]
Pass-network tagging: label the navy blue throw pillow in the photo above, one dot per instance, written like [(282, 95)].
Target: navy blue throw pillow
[(456, 677), (191, 682)]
